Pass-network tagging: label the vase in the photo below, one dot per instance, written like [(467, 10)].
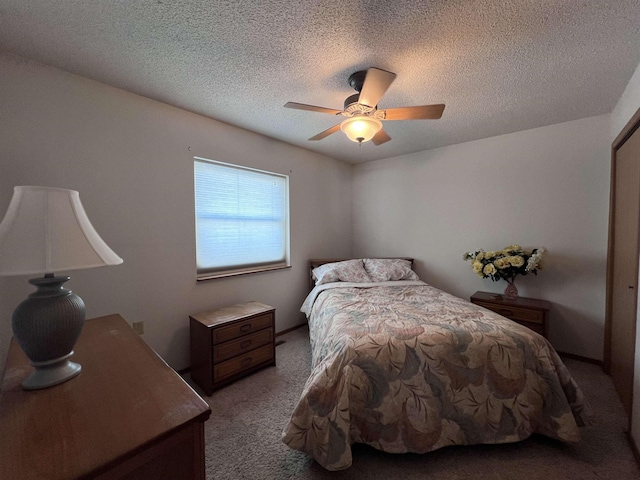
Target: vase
[(511, 291)]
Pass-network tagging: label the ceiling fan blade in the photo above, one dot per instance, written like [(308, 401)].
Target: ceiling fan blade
[(375, 84), (312, 108), (326, 133), (421, 112), (380, 137)]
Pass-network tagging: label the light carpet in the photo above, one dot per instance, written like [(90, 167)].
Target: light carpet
[(242, 436)]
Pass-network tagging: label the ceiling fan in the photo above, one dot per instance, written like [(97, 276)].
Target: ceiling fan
[(363, 122)]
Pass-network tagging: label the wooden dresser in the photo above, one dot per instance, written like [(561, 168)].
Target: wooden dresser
[(530, 312), (231, 342), (128, 415)]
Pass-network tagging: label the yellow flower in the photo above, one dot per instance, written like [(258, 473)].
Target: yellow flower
[(505, 264), (516, 260), (489, 269), (477, 266), (501, 263)]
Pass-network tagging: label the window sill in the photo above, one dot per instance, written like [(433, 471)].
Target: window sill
[(212, 276)]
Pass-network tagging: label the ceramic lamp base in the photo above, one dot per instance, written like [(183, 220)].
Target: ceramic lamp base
[(50, 373), (46, 326)]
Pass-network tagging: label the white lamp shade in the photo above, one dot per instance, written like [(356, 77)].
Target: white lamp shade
[(46, 230), (360, 128)]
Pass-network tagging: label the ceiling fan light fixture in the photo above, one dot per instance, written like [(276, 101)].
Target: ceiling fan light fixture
[(360, 128), (363, 119)]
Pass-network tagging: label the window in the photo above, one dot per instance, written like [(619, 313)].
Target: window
[(242, 219)]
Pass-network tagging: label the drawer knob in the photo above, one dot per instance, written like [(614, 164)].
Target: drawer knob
[(505, 312), (245, 344), (246, 362), (245, 328)]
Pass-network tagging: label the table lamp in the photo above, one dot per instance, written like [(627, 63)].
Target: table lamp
[(46, 230)]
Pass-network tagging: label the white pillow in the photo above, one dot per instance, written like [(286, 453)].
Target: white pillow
[(386, 269), (345, 271)]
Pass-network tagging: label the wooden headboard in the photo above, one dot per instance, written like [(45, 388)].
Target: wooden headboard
[(316, 262)]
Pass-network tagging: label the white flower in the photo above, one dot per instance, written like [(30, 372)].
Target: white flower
[(534, 260), (532, 263)]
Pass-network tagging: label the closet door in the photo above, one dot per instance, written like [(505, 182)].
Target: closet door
[(623, 261)]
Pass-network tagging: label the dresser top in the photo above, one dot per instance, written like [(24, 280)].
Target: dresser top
[(499, 299), (234, 312), (125, 398)]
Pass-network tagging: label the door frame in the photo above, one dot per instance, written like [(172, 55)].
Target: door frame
[(629, 129)]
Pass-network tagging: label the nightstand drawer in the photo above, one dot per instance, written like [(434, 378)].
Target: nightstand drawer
[(530, 312), (241, 345), (536, 327), (243, 362), (239, 329), (515, 313)]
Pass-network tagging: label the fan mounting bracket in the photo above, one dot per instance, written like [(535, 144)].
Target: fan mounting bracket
[(356, 80)]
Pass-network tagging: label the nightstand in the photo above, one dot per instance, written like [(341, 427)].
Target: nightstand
[(231, 342), (530, 312)]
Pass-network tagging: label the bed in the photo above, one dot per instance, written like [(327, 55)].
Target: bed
[(404, 367)]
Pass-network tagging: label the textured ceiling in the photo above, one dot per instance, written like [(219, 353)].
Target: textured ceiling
[(499, 66)]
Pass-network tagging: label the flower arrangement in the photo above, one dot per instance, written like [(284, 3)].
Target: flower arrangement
[(506, 264)]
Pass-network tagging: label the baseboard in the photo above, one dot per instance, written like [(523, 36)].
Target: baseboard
[(581, 358), (291, 329)]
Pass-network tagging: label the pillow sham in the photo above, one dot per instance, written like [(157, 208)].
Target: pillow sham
[(386, 269), (345, 271)]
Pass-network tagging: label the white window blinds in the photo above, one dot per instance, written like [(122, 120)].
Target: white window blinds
[(242, 219)]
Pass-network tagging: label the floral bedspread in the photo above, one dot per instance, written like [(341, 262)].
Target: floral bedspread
[(409, 368)]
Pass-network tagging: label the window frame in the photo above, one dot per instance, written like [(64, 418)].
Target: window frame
[(203, 274)]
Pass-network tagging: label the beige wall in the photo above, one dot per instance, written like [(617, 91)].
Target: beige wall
[(544, 187), (131, 159)]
